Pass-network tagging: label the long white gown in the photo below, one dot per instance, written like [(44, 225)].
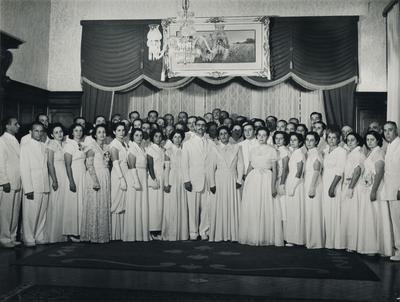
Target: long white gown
[(136, 220), (260, 221), (156, 196), (175, 222), (334, 162), (53, 230), (227, 162), (295, 207), (96, 215), (73, 205), (375, 233), (313, 206), (351, 206), (118, 196), (283, 152)]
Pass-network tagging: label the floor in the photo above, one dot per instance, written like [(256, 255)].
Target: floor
[(15, 278)]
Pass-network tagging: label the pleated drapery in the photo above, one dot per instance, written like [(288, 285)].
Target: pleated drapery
[(339, 105), (319, 53)]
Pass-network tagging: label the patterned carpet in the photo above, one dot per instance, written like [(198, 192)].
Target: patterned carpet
[(206, 257)]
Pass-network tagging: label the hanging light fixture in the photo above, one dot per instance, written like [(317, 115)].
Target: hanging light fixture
[(185, 49)]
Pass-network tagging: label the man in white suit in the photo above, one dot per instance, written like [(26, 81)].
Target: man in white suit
[(35, 182), (195, 157), (10, 183), (392, 181), (44, 120)]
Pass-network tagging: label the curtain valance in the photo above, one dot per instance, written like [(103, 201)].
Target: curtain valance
[(316, 52)]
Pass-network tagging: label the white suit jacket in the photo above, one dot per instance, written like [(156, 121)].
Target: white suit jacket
[(33, 165), (9, 161), (195, 161), (392, 170)]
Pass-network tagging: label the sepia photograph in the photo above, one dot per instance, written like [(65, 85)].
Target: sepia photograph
[(200, 150)]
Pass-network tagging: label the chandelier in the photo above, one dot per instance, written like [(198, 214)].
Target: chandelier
[(185, 44)]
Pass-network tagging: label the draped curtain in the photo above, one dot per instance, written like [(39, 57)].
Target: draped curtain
[(319, 53)]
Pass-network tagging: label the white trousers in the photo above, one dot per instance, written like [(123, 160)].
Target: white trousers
[(10, 204), (34, 218), (199, 213), (395, 217)]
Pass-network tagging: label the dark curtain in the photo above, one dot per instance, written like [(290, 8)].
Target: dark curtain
[(339, 105), (95, 102), (320, 50), (316, 52)]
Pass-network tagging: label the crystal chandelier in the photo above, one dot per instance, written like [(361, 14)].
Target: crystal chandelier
[(185, 50)]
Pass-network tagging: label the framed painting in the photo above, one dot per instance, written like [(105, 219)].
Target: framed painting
[(218, 47)]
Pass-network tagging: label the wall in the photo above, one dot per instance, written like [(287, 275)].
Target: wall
[(372, 48), (28, 21), (63, 56)]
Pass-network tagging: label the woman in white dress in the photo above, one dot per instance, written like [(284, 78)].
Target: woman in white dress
[(260, 221), (225, 181), (281, 140), (313, 193), (352, 189), (295, 220), (96, 217), (375, 231), (175, 222), (56, 164), (74, 155), (136, 220), (119, 174), (332, 179), (155, 159)]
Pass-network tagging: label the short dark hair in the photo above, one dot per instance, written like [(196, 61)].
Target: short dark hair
[(375, 134), (302, 125), (132, 112), (285, 137), (358, 137), (7, 121), (71, 130), (97, 127), (39, 115), (54, 126), (152, 111), (201, 119), (100, 115), (224, 128), (318, 113), (114, 115), (185, 128), (36, 123), (299, 137), (79, 118), (134, 130), (322, 123), (115, 126), (316, 136), (296, 119), (273, 117), (248, 124), (259, 120), (180, 132), (154, 132), (263, 129)]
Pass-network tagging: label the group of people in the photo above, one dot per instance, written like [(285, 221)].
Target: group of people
[(219, 177)]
